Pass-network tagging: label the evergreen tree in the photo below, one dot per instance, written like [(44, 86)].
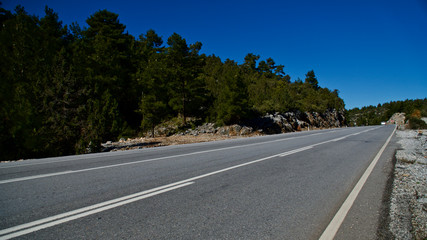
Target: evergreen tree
[(250, 61), (62, 100), (225, 82), (65, 89), (151, 77), (108, 74), (310, 79), (184, 66), (20, 50)]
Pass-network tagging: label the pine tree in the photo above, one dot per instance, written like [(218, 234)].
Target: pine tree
[(20, 45), (310, 79), (184, 65), (108, 74), (225, 82), (151, 77)]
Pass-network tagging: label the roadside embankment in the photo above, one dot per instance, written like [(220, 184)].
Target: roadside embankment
[(408, 203), (170, 134)]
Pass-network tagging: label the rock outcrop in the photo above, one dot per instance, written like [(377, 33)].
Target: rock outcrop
[(398, 119), (297, 121), (210, 128), (268, 124), (274, 123)]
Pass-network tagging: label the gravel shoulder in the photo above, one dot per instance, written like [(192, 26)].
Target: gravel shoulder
[(408, 203)]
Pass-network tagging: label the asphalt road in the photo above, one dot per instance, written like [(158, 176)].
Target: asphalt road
[(286, 186)]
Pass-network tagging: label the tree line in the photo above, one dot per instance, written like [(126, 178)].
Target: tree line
[(414, 109), (65, 89)]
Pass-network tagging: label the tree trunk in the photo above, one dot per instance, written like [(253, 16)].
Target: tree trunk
[(183, 103)]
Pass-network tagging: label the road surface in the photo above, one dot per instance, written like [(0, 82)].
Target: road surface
[(285, 186)]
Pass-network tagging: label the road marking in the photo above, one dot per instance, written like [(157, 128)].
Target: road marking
[(163, 158), (295, 151), (83, 212), (30, 227), (35, 177), (339, 217), (338, 139), (86, 211), (101, 155), (147, 160)]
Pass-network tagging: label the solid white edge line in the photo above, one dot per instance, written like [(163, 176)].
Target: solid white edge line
[(106, 204), (147, 160), (339, 217), (24, 229), (68, 216)]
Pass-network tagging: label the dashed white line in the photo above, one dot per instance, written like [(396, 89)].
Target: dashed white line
[(147, 160), (82, 212), (30, 227), (102, 155)]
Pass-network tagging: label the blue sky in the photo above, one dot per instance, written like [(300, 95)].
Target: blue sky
[(371, 51)]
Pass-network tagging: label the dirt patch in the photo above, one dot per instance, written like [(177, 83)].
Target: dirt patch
[(139, 143)]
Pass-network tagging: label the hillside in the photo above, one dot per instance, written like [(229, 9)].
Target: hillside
[(67, 89), (374, 115)]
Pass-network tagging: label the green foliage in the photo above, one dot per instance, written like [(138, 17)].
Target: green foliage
[(61, 105), (103, 122), (25, 63), (374, 115), (65, 90), (109, 67), (228, 92), (416, 123), (153, 103), (184, 65), (311, 80)]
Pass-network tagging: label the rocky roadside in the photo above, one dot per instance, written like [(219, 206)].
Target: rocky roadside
[(147, 142), (268, 124), (408, 203)]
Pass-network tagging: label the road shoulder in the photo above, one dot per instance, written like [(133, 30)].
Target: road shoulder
[(368, 218)]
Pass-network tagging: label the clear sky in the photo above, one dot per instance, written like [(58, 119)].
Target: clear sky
[(372, 51)]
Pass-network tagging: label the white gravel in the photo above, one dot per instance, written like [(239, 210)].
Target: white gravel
[(408, 209)]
